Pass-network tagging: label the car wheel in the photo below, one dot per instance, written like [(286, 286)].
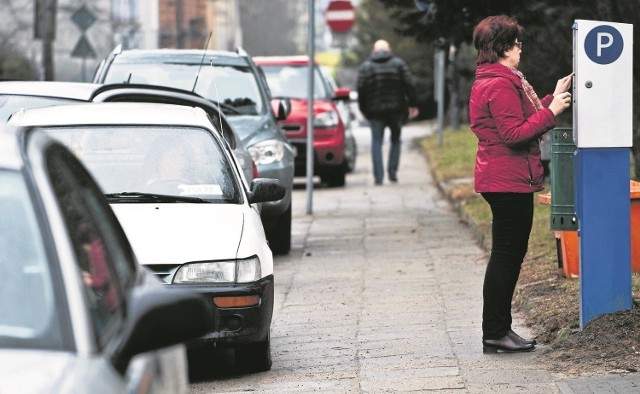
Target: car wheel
[(255, 357), (335, 178), (278, 233)]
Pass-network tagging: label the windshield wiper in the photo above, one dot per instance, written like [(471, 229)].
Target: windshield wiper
[(149, 197)]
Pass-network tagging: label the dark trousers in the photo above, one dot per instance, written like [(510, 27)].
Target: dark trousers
[(512, 220), (378, 125)]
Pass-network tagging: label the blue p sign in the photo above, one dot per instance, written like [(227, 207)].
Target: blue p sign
[(603, 44)]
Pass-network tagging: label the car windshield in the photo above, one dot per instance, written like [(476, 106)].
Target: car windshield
[(232, 85), (291, 81), (28, 314), (10, 103), (153, 163)]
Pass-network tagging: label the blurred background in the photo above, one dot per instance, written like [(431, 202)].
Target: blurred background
[(66, 39)]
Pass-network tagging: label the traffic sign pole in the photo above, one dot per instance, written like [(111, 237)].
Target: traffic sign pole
[(312, 55)]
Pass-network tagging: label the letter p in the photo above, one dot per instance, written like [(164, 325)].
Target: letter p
[(605, 40)]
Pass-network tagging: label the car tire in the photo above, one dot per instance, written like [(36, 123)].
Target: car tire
[(254, 357), (335, 178), (278, 233)]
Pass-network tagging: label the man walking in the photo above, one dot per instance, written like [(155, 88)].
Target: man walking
[(386, 93)]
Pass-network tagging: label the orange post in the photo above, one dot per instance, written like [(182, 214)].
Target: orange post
[(634, 194)]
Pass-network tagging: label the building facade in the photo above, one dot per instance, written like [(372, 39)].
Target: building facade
[(83, 32)]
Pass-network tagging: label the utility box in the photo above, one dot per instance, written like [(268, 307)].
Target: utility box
[(603, 66), (563, 207)]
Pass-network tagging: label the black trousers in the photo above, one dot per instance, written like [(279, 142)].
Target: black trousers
[(511, 226)]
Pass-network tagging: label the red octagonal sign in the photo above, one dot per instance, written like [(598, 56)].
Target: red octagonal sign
[(340, 15)]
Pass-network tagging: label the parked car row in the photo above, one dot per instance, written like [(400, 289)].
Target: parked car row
[(172, 160), (237, 86)]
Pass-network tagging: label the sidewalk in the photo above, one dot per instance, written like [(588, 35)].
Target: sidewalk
[(382, 292), (415, 273)]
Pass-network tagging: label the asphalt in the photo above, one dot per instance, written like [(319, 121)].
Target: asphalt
[(382, 292)]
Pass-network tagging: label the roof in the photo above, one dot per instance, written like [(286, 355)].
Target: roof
[(301, 60), (71, 90), (113, 114), (180, 56)]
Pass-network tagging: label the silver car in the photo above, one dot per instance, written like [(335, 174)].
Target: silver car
[(76, 310)]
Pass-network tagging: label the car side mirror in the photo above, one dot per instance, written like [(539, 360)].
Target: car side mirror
[(342, 94), (266, 189), (283, 106), (181, 314)]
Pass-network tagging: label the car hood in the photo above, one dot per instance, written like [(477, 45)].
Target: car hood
[(28, 371), (253, 129), (181, 232), (299, 106)]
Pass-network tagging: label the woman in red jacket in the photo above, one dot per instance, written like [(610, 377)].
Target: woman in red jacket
[(508, 118)]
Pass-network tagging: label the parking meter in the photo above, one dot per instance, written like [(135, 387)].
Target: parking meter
[(602, 129), (603, 84)]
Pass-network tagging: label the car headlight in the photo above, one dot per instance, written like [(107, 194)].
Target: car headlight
[(267, 152), (235, 271), (326, 120)]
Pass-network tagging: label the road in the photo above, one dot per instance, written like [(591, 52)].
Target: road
[(381, 292)]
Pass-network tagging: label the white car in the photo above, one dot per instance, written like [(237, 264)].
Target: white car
[(75, 308), (176, 189)]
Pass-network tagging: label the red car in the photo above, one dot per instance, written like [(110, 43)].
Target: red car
[(287, 78)]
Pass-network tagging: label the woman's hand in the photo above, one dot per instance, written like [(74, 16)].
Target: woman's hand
[(560, 102), (563, 85)]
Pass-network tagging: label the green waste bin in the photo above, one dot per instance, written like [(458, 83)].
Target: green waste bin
[(563, 207)]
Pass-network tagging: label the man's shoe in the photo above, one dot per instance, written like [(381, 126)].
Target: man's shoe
[(378, 183), (393, 179), (520, 339), (505, 344)]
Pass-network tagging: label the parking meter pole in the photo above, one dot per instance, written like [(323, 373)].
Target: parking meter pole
[(312, 55), (602, 116), (603, 208)]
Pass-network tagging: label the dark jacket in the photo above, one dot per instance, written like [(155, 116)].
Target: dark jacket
[(508, 130), (385, 86)]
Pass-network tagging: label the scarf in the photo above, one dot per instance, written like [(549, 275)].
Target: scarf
[(528, 90)]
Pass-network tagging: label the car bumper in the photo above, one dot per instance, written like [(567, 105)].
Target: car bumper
[(325, 156), (237, 325)]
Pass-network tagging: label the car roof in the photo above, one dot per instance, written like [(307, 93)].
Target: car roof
[(10, 157), (300, 60), (71, 90), (103, 114), (185, 56)]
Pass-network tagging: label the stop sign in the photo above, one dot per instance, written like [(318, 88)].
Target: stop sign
[(340, 15)]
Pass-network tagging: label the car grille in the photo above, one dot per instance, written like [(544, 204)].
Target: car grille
[(164, 272), (292, 128)]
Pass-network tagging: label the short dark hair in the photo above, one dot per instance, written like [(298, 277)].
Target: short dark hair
[(495, 35)]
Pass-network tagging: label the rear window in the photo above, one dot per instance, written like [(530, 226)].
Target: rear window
[(233, 86)]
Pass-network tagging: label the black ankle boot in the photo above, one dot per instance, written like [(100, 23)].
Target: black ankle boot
[(518, 338), (505, 344)]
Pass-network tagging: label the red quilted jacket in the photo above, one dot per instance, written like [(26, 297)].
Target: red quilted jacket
[(508, 130)]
